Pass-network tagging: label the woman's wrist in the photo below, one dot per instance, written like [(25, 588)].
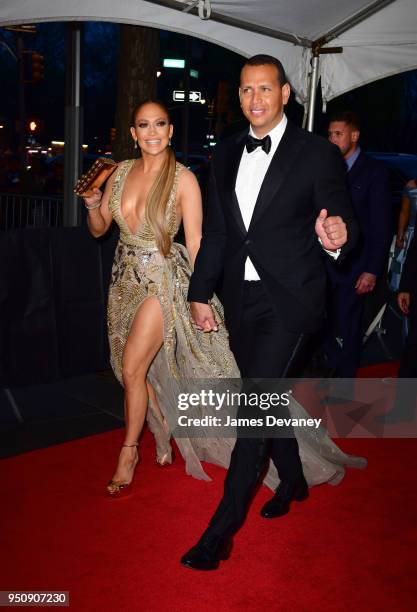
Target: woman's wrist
[(93, 206)]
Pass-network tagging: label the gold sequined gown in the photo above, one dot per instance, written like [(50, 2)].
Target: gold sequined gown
[(140, 271)]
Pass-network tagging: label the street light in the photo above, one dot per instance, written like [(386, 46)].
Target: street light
[(34, 125)]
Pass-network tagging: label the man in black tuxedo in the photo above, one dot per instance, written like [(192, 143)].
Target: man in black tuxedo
[(271, 192), (370, 192)]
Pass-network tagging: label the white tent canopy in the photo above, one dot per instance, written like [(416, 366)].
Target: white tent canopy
[(379, 37)]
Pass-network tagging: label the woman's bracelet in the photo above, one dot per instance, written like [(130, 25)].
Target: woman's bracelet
[(92, 206)]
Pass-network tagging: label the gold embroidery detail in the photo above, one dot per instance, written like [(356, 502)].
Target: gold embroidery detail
[(140, 271)]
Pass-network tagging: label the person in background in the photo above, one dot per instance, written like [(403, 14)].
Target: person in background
[(370, 191), (404, 406), (405, 231)]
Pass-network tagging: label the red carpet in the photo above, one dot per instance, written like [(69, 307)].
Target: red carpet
[(379, 370), (350, 547)]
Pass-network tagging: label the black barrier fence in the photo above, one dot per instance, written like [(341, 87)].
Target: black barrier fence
[(19, 211), (53, 294)]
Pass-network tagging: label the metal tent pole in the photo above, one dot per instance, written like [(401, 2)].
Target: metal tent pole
[(317, 49), (312, 94)]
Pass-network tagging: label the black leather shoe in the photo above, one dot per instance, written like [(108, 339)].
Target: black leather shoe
[(284, 495), (207, 553)]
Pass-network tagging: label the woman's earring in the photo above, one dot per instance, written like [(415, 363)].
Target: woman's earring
[(169, 142), (136, 144)]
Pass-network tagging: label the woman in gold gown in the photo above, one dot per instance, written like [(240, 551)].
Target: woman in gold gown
[(150, 330), (153, 342)]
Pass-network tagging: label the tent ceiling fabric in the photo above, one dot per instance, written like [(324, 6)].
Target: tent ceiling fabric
[(308, 19), (384, 43)]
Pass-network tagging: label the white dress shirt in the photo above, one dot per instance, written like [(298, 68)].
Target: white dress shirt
[(250, 176)]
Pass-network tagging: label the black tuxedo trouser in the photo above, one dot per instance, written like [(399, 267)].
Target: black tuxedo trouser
[(345, 313), (263, 348)]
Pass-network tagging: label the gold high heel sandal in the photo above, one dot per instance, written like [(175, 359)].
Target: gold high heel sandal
[(117, 489)]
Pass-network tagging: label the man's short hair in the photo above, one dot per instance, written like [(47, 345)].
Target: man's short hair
[(347, 117), (268, 60)]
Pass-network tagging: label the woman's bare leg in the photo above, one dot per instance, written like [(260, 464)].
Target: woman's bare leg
[(144, 341)]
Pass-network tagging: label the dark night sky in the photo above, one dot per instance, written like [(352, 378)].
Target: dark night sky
[(388, 108)]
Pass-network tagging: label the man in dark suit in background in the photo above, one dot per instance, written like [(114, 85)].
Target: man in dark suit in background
[(353, 279), (275, 193)]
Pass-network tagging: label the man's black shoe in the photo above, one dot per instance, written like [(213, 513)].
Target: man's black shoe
[(207, 553), (284, 495)]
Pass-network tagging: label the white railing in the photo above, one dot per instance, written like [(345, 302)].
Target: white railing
[(27, 211)]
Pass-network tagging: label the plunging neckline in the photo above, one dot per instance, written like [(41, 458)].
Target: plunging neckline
[(143, 230), (143, 219)]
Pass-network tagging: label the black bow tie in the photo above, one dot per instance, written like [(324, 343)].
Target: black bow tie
[(252, 143)]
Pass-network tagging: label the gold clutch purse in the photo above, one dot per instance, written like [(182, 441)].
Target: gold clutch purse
[(95, 176)]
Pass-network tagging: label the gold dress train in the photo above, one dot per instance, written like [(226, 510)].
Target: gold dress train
[(140, 271)]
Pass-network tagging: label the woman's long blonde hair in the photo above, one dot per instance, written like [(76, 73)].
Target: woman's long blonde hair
[(157, 200)]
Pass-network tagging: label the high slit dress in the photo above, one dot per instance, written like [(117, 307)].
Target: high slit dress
[(140, 271)]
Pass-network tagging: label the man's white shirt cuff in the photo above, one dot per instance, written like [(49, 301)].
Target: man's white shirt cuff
[(334, 254)]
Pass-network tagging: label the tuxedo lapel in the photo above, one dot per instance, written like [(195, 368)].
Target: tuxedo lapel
[(231, 169), (284, 157)]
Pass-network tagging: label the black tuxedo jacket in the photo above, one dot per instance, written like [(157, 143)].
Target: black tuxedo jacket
[(370, 192), (306, 174)]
